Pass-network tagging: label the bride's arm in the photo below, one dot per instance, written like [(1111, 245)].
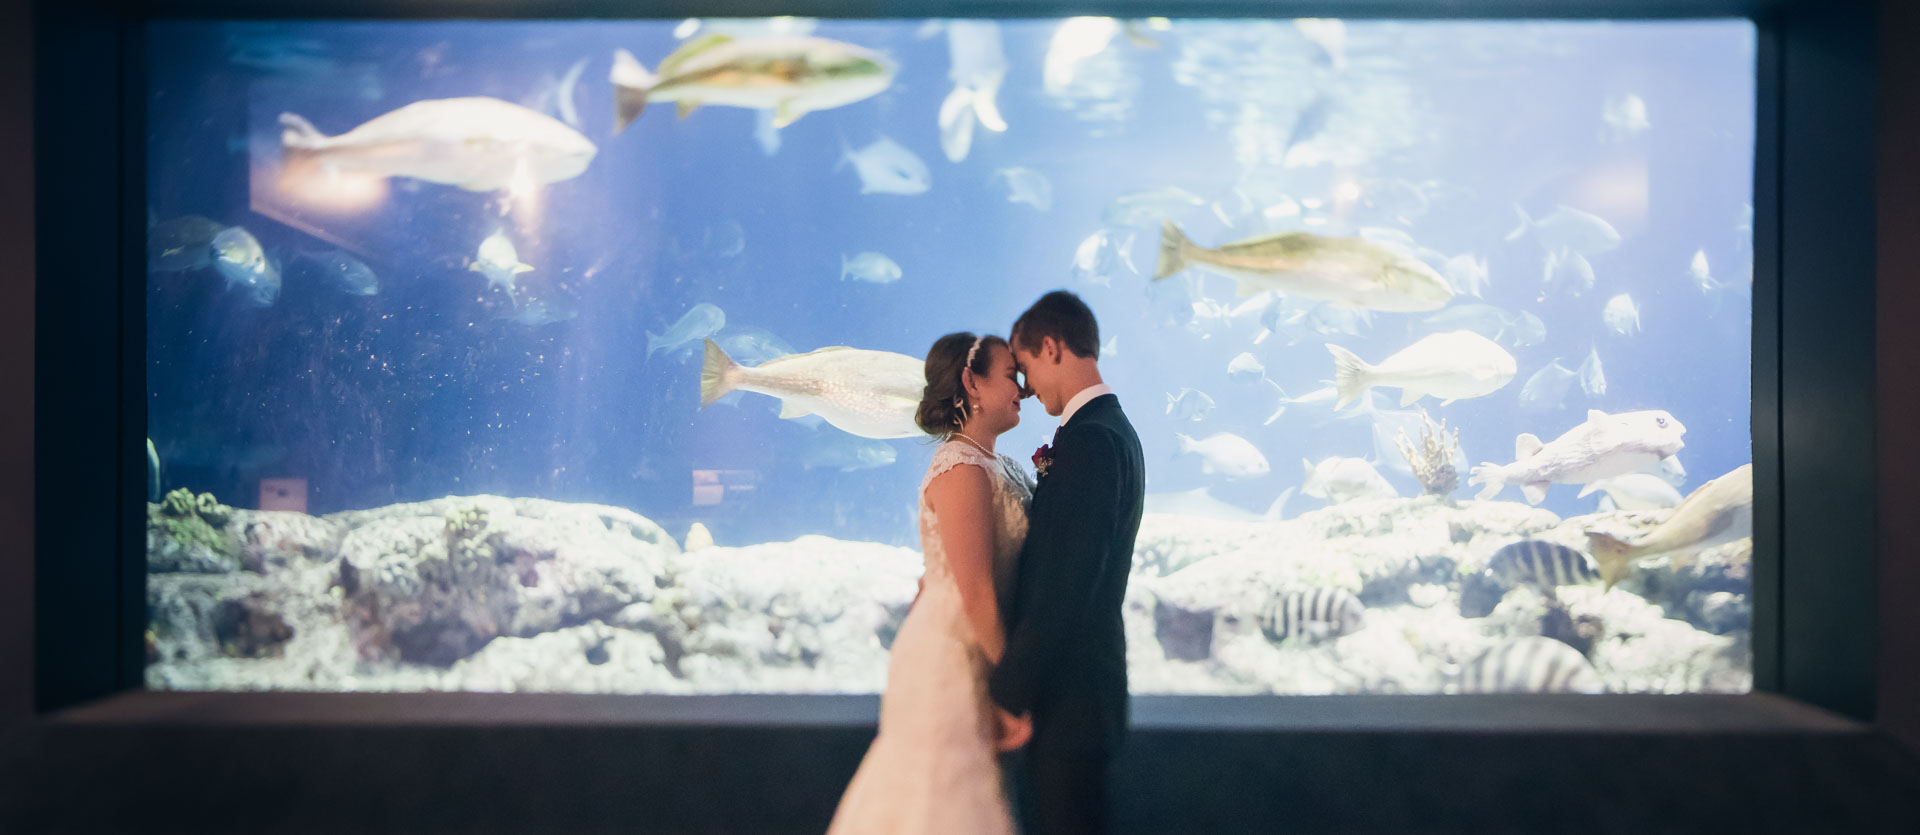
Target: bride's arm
[(962, 498)]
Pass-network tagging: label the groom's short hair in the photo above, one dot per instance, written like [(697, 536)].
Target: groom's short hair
[(1063, 316)]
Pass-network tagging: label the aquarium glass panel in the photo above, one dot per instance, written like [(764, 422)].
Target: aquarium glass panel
[(584, 355)]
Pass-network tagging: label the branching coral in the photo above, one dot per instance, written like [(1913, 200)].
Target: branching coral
[(1432, 459)]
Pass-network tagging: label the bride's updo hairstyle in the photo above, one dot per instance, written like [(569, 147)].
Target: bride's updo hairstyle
[(943, 403)]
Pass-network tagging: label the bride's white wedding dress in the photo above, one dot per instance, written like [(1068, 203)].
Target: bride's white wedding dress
[(933, 768)]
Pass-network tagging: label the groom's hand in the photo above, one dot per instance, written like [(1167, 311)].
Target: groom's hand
[(1014, 731)]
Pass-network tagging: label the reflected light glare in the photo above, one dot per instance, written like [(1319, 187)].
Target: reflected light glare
[(523, 191), (317, 188), (1347, 192)]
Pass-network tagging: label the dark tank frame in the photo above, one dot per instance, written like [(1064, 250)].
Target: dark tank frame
[(774, 763)]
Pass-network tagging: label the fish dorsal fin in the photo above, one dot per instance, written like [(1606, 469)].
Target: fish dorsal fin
[(1262, 240), (787, 112), (1594, 415), (688, 50), (790, 410), (1525, 446), (1588, 489), (1307, 466)]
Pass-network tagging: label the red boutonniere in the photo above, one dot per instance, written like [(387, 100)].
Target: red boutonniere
[(1043, 458)]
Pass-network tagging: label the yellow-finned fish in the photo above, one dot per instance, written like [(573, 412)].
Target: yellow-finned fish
[(1715, 513), (1350, 272), (789, 75), (872, 394)]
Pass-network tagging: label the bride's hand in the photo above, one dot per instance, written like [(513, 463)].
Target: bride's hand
[(1014, 731)]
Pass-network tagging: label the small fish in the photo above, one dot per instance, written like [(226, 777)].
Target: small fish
[(1622, 315), (887, 167), (1568, 272), (1456, 365), (1142, 208), (871, 267), (701, 321), (1226, 454), (1546, 390), (499, 262), (243, 263), (1314, 614), (790, 75), (1528, 329), (1567, 229), (1189, 405), (1715, 513), (1593, 380), (1100, 256), (1343, 480), (698, 538), (1531, 665), (1330, 35), (1352, 272), (1623, 116), (1310, 122), (1542, 565), (873, 394), (1025, 185), (1635, 491), (182, 243), (1245, 368), (476, 143), (1467, 274), (345, 272), (1603, 446), (979, 65), (751, 345), (1701, 276), (848, 453)]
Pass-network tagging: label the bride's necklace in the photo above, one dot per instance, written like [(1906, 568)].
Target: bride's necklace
[(976, 444)]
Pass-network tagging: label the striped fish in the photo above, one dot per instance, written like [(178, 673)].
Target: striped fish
[(1317, 613), (1531, 665), (1541, 564)]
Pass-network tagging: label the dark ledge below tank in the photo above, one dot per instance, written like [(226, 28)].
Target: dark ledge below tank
[(288, 762)]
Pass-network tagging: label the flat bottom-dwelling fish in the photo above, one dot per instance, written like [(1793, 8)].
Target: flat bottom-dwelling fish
[(1715, 513), (872, 394), (1603, 447), (1353, 272)]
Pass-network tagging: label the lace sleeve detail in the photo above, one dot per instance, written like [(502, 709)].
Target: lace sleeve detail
[(952, 454)]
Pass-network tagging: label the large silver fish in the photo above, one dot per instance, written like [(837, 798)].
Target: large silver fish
[(792, 76), (872, 394), (476, 143), (1603, 447), (243, 263), (1353, 272), (1455, 365), (1715, 513)]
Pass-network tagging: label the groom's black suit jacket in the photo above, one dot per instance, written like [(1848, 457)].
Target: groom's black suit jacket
[(1066, 652)]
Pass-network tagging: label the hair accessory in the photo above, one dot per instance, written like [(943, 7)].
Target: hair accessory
[(973, 351)]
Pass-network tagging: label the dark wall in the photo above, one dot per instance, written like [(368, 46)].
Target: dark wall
[(1897, 174), (16, 371)]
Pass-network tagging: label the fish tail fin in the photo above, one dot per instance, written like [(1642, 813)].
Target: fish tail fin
[(1277, 511), (1352, 376), (716, 373), (653, 342), (1587, 489), (1611, 555), (843, 266), (1173, 244), (631, 84), (1490, 474), (1525, 224), (296, 133)]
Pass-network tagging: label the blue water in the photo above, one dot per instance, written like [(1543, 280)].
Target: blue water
[(423, 391)]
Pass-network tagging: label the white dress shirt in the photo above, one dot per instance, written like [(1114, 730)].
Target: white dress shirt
[(1078, 400)]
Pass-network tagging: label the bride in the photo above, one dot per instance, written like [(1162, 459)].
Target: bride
[(933, 766)]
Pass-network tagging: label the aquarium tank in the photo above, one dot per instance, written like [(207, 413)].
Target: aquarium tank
[(464, 343)]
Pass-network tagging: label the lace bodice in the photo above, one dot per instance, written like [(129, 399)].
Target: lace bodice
[(1012, 493)]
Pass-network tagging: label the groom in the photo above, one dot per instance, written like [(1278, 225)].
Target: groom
[(1065, 667)]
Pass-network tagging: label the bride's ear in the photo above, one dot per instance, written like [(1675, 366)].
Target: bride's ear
[(966, 380)]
